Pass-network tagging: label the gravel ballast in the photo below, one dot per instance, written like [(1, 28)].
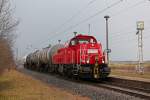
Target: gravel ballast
[(93, 92)]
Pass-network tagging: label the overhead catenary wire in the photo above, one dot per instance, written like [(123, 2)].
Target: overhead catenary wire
[(118, 33), (113, 34), (117, 36), (71, 18), (75, 15), (133, 32), (73, 26), (131, 39), (121, 11), (126, 9), (130, 42), (94, 15), (83, 21)]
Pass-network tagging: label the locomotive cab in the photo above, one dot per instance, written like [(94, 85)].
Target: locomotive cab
[(90, 57)]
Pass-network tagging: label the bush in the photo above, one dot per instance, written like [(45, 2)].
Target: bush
[(6, 57)]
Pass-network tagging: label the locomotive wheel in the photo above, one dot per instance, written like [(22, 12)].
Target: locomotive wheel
[(69, 72), (46, 68), (43, 68), (37, 68), (61, 69), (51, 68), (28, 66), (34, 67), (40, 69), (31, 67), (56, 69)]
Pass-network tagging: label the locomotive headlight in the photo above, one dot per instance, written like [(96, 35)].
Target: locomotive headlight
[(92, 51), (103, 61), (88, 61)]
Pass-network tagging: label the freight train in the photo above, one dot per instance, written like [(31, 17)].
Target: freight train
[(83, 57)]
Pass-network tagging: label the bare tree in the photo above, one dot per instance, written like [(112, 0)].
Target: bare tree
[(7, 22), (7, 26)]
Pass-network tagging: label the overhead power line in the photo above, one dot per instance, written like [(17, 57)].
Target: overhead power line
[(70, 19), (92, 1), (75, 25), (126, 9), (99, 12), (129, 39), (122, 11), (122, 34), (75, 15)]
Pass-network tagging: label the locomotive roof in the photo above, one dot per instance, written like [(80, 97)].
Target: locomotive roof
[(84, 36)]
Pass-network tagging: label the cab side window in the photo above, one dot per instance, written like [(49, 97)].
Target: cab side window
[(72, 43), (92, 41)]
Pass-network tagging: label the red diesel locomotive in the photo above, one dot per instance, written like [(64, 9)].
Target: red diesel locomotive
[(82, 58)]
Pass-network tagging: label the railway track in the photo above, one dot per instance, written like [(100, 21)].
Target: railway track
[(136, 88), (133, 91), (131, 87)]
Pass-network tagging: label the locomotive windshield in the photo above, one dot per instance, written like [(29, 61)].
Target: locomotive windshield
[(83, 41), (86, 41)]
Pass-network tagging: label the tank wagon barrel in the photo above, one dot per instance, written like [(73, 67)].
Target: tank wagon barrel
[(42, 58)]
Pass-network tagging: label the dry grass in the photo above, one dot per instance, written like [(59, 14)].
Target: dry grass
[(117, 65), (130, 70), (130, 74), (17, 86)]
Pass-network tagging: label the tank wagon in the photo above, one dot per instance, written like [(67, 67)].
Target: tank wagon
[(83, 57), (41, 60)]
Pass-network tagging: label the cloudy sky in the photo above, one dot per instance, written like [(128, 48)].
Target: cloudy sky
[(44, 22)]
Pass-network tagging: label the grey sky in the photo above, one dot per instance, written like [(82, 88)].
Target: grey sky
[(40, 21)]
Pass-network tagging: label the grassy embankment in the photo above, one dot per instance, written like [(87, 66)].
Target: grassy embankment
[(17, 86)]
